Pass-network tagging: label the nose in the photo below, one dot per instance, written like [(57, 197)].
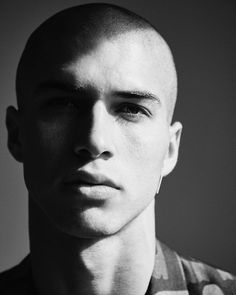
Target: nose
[(97, 134)]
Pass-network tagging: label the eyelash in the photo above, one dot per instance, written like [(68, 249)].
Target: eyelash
[(133, 111)]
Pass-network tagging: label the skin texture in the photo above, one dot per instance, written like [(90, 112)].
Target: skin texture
[(129, 137), (79, 30), (103, 112)]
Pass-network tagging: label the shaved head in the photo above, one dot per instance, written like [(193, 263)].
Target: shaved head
[(77, 31), (96, 87)]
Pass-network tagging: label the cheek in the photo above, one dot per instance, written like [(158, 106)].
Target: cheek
[(47, 139), (147, 146), (45, 151), (146, 151), (54, 136)]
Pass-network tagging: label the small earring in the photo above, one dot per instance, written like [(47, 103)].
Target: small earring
[(159, 185)]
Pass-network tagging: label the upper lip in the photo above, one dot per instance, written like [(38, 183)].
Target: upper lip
[(84, 177)]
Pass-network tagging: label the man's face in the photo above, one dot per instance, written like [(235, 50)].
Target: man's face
[(95, 136)]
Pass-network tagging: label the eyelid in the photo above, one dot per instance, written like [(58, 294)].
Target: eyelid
[(138, 106), (133, 117)]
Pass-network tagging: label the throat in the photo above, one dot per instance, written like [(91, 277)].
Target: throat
[(116, 266), (120, 264)]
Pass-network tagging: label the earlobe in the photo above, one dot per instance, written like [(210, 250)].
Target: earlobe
[(13, 128), (173, 148)]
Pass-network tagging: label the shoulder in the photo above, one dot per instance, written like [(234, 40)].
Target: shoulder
[(176, 274), (206, 279), (17, 280)]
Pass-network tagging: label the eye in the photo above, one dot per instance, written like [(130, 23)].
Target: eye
[(132, 111), (61, 102)]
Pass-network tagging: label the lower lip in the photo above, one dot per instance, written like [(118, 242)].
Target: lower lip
[(93, 192)]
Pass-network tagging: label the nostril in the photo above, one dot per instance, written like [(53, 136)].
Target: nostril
[(106, 155), (88, 154), (81, 151)]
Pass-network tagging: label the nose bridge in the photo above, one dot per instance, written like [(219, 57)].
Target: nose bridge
[(99, 137), (98, 119)]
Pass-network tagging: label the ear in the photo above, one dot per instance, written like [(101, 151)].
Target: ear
[(13, 128), (171, 157)]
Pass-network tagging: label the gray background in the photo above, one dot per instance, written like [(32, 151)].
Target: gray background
[(196, 206)]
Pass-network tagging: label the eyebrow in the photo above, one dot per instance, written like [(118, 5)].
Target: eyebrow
[(54, 84), (137, 94), (129, 94)]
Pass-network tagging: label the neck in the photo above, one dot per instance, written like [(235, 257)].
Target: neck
[(117, 264)]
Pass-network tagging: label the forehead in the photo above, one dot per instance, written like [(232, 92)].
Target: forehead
[(131, 61), (127, 61)]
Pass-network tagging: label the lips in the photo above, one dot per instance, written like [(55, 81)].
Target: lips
[(91, 179)]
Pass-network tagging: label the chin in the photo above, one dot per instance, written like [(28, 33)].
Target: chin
[(88, 225), (88, 231)]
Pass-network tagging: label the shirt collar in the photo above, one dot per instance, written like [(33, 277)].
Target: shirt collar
[(168, 275)]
